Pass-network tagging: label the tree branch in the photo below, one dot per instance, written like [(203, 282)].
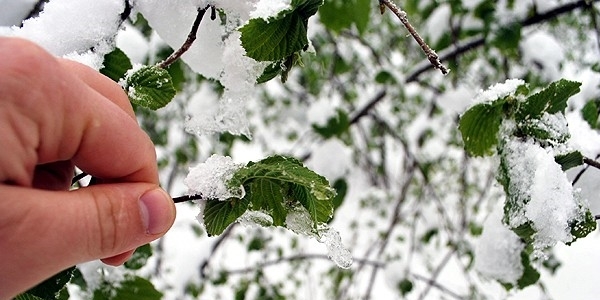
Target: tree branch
[(186, 198), (591, 162), (277, 261), (431, 55), (188, 41), (220, 240), (36, 10), (478, 42), (365, 110)]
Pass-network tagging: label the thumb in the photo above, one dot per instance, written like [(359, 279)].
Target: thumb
[(43, 232)]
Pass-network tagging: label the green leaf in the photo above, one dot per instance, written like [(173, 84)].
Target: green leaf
[(27, 296), (131, 288), (280, 36), (530, 275), (320, 210), (278, 181), (341, 188), (552, 99), (274, 40), (139, 257), (115, 65), (548, 128), (336, 125), (268, 196), (51, 287), (355, 12), (385, 77), (507, 39), (569, 160), (479, 127), (405, 286), (590, 114), (270, 72), (150, 87), (137, 288), (218, 215), (284, 169), (586, 225)]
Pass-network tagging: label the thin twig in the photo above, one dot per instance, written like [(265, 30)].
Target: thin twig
[(179, 199), (436, 273), (437, 285), (594, 17), (78, 177), (36, 10), (433, 58), (126, 11), (480, 41), (591, 162), (221, 239), (188, 41), (260, 266), (365, 110), (186, 198)]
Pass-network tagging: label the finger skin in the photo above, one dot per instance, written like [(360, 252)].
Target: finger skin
[(55, 115), (48, 231)]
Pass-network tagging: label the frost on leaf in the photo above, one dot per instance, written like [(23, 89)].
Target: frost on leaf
[(551, 128), (298, 220), (499, 90), (253, 218), (541, 205), (210, 178)]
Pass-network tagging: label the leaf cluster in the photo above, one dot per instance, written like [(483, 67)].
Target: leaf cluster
[(486, 128), (273, 186)]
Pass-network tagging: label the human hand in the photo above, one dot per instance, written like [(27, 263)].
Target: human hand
[(56, 114)]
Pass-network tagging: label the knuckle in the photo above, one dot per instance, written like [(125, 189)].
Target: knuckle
[(110, 215)]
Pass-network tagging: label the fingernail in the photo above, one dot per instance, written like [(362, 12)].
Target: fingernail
[(157, 212)]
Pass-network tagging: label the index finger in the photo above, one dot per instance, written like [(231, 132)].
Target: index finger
[(67, 118)]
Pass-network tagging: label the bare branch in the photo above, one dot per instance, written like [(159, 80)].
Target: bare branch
[(36, 10), (365, 110), (221, 239), (188, 42), (591, 162), (431, 55), (186, 198), (480, 41)]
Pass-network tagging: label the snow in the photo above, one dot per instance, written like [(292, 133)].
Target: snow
[(14, 11), (542, 194), (64, 28), (133, 43), (269, 8), (498, 252), (299, 221), (583, 138), (210, 178), (331, 159), (549, 57), (498, 90), (255, 218), (336, 250)]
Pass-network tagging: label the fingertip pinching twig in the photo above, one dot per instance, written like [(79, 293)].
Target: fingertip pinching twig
[(186, 198), (433, 58)]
